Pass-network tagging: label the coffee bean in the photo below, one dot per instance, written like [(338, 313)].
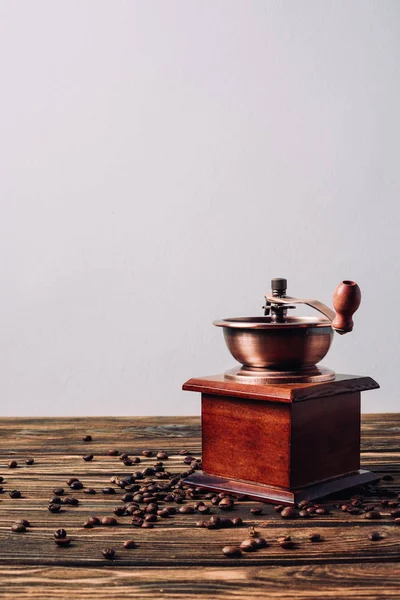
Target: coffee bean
[(387, 477), (54, 508), (374, 536), (321, 511), (119, 511), (304, 504), (1, 489), (315, 537), (186, 510), (137, 521), (18, 528), (368, 507), (232, 551), (288, 513), (87, 438), (214, 523), (201, 524), (255, 511), (88, 457), (58, 491), (129, 544), (188, 459), (354, 510), (71, 480), (147, 452), (372, 514), (108, 553), (397, 521), (63, 541), (147, 525), (148, 471), (56, 500), (13, 464), (71, 501), (285, 538), (151, 508), (108, 490), (29, 461), (109, 521), (226, 504), (248, 545), (113, 453), (15, 494), (215, 500), (24, 522), (136, 459), (237, 521), (279, 508), (304, 514), (89, 491), (164, 513), (203, 509), (94, 520), (151, 518), (127, 498), (1, 479), (60, 533), (287, 544), (184, 452), (260, 542), (76, 485), (88, 524), (162, 455), (172, 510)]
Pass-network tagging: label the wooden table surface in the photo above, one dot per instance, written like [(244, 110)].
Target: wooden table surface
[(177, 559)]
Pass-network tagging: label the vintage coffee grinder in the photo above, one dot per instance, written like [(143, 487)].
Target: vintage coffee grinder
[(281, 428)]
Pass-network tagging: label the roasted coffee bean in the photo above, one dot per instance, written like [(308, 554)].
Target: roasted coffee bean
[(60, 533), (397, 521), (119, 511), (128, 544), (88, 457), (215, 500), (311, 510), (374, 536), (226, 523), (109, 521), (255, 511), (151, 518), (1, 479), (63, 541), (171, 510), (260, 542), (368, 507), (88, 524), (201, 524), (24, 522), (76, 485), (345, 507), (288, 513), (18, 528), (214, 523), (94, 520), (226, 504), (232, 551), (186, 510), (237, 521), (387, 477), (113, 453), (209, 496), (127, 462), (1, 489), (71, 480), (15, 494), (188, 459), (89, 491), (287, 544), (162, 455), (127, 498), (148, 472), (13, 464), (136, 459), (285, 538), (354, 510), (248, 545), (151, 508), (304, 504), (29, 461), (71, 501), (164, 513), (279, 508), (56, 500), (58, 491), (138, 513), (184, 452), (204, 510), (137, 521), (108, 553), (147, 452), (321, 511), (315, 537), (108, 490), (372, 514), (395, 513), (304, 514), (54, 508), (87, 438), (124, 456), (147, 525)]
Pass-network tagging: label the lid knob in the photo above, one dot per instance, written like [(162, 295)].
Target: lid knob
[(279, 286)]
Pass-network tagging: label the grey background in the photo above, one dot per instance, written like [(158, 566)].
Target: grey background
[(161, 161)]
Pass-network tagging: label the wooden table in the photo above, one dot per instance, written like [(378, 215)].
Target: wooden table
[(176, 559)]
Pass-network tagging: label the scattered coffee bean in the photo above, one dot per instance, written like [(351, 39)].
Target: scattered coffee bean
[(13, 464), (58, 491), (18, 528), (248, 545), (397, 521), (119, 511), (94, 520), (256, 511), (151, 518), (186, 510), (113, 453), (137, 521), (147, 453), (372, 514), (89, 491), (147, 525), (260, 542), (108, 490), (226, 504), (279, 508), (71, 501), (374, 536), (315, 537), (164, 513), (184, 452), (136, 460), (162, 455), (76, 485), (88, 457), (129, 544), (354, 510), (1, 479), (203, 510), (288, 513), (87, 438), (109, 521), (54, 508), (304, 514), (214, 523), (71, 481), (322, 511), (201, 523), (60, 533), (237, 521), (24, 522), (387, 477), (56, 500), (232, 551), (88, 524), (63, 541), (29, 461), (15, 494), (286, 543), (395, 513), (108, 553)]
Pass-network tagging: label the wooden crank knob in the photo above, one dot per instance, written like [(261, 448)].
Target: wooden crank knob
[(346, 300)]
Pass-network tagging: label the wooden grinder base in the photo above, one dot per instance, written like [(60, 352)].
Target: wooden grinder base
[(281, 443)]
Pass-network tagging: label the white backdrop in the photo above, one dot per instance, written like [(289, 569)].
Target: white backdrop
[(160, 161)]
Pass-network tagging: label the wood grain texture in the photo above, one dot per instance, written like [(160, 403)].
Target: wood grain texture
[(175, 556)]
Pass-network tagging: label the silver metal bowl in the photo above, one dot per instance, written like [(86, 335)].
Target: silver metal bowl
[(258, 342)]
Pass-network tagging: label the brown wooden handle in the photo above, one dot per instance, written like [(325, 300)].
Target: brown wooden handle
[(346, 300)]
